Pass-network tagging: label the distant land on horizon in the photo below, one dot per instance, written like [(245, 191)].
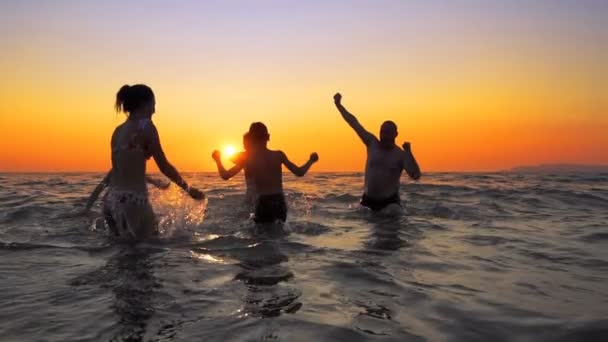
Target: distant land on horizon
[(560, 168)]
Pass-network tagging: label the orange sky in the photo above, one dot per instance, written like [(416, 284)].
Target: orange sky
[(484, 88)]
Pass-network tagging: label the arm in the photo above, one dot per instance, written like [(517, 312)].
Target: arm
[(95, 194), (352, 121), (227, 174), (165, 167), (301, 170), (157, 183), (237, 158), (410, 165)]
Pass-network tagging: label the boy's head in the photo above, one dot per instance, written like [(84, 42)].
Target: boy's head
[(246, 141), (258, 133)]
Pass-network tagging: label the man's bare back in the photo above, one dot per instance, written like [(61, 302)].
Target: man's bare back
[(265, 168)]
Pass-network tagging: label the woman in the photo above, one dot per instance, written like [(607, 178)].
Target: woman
[(106, 182), (130, 214)]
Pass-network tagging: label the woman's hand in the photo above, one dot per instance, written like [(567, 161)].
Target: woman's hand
[(196, 193)]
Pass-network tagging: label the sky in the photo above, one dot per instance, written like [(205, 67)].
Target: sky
[(480, 85)]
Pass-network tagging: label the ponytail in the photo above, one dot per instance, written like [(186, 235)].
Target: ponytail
[(130, 98), (121, 97)]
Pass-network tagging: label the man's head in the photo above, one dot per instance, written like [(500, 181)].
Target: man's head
[(258, 134), (388, 134)]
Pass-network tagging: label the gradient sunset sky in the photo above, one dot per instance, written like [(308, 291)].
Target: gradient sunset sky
[(474, 85)]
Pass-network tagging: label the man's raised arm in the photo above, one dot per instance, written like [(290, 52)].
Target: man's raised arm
[(352, 121), (410, 165)]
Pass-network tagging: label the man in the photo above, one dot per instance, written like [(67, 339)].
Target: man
[(385, 162), (264, 166)]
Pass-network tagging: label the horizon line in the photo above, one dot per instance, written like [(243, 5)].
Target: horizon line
[(510, 169)]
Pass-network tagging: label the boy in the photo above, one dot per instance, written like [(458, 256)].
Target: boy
[(264, 167)]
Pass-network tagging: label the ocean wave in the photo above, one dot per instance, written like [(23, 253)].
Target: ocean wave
[(596, 237), (422, 187), (341, 198), (442, 211), (224, 243), (24, 213), (15, 199), (26, 246), (265, 276), (31, 183), (562, 259), (461, 212), (591, 330), (594, 179), (308, 228), (572, 197), (489, 240), (480, 257)]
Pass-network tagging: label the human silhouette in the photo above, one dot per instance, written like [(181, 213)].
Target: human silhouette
[(385, 162), (264, 166), (133, 143)]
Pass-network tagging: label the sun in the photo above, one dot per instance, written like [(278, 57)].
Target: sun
[(228, 151)]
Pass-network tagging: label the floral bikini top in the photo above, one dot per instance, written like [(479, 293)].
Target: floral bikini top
[(135, 142)]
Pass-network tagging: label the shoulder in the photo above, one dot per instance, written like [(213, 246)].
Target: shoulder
[(373, 144), (142, 124), (119, 128), (403, 156), (399, 152), (239, 157), (117, 131), (146, 124), (148, 128), (279, 155), (371, 138), (403, 153)]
